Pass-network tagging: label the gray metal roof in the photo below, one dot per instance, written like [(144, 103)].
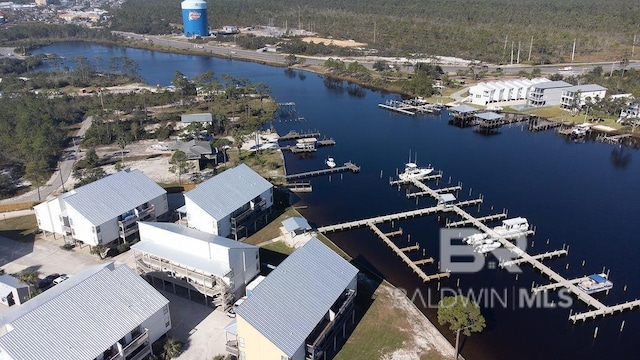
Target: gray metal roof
[(551, 85), (193, 148), (586, 88), (176, 238), (489, 116), (226, 192), (109, 197), (463, 109), (189, 118), (81, 317), (294, 297), (295, 223), (8, 283)]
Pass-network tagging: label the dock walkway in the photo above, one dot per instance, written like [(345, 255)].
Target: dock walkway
[(348, 166)]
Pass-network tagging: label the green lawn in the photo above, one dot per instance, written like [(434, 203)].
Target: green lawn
[(280, 247), (22, 228), (557, 114)]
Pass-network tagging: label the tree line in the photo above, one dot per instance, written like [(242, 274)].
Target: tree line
[(485, 30)]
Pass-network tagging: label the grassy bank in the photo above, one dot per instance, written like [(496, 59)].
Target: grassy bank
[(22, 228)]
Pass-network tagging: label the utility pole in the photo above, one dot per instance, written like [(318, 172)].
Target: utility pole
[(299, 23), (573, 52), (518, 52), (530, 48), (611, 73), (374, 34), (633, 46), (512, 53)]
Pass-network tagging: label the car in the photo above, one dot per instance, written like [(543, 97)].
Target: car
[(52, 276), (44, 284), (232, 312), (60, 279)]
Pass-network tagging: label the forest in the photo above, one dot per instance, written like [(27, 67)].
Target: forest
[(485, 30)]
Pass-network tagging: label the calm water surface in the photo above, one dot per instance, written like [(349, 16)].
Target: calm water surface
[(584, 195)]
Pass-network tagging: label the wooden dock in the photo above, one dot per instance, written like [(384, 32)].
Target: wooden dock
[(609, 310), (547, 255), (488, 218), (299, 187), (294, 135), (413, 265), (613, 139), (439, 191), (411, 107), (427, 178), (540, 124), (348, 166)]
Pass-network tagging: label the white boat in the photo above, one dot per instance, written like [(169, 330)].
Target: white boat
[(331, 163), (413, 171), (475, 239), (510, 227), (580, 130), (595, 283), (486, 247)]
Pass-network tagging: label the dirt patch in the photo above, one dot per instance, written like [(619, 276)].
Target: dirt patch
[(326, 41)]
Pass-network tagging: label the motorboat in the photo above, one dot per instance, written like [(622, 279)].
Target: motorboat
[(331, 163), (512, 227), (475, 239), (413, 171), (580, 130), (595, 283), (487, 247)]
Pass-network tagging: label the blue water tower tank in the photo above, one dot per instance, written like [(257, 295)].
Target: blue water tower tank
[(194, 18)]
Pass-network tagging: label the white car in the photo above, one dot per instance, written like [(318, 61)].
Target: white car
[(60, 279)]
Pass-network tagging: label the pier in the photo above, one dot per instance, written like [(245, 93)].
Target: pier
[(519, 256), (348, 166), (537, 123), (299, 187), (614, 139), (410, 107), (294, 135)]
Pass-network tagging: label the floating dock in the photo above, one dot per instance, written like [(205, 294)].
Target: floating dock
[(348, 166)]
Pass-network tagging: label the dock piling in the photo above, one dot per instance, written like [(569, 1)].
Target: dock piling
[(621, 325)]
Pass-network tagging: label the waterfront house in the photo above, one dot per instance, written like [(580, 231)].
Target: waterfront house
[(302, 310), (199, 153), (209, 268), (575, 97), (547, 93), (105, 210), (105, 312), (229, 204)]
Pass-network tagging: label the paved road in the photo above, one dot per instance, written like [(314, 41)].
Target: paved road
[(71, 155)]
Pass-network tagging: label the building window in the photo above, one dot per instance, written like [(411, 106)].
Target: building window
[(71, 221), (240, 341), (165, 309), (284, 357), (98, 229), (167, 323), (258, 266), (242, 356)]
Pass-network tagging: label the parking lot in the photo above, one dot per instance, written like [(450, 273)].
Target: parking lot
[(199, 328)]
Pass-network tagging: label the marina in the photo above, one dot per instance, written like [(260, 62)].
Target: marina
[(499, 236)]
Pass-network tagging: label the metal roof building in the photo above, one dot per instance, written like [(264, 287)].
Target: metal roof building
[(194, 254), (97, 313), (225, 203), (104, 210), (186, 119), (289, 308)]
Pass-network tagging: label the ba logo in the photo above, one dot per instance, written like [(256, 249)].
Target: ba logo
[(194, 15)]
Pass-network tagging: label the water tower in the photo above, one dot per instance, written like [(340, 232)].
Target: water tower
[(194, 18)]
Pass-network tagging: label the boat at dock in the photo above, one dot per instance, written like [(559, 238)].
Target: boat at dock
[(595, 283), (487, 246), (413, 171), (475, 239), (512, 227), (331, 163)]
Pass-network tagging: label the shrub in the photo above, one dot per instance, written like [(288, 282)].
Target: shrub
[(67, 247), (123, 247)]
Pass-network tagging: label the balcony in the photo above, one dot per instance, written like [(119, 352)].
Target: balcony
[(129, 225), (316, 341), (232, 347), (137, 349)]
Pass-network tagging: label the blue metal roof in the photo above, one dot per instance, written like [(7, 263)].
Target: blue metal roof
[(597, 278), (226, 192), (294, 298)]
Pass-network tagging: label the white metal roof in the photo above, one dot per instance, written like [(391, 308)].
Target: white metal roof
[(81, 317), (296, 295), (189, 118), (111, 196), (551, 85), (488, 116), (295, 223), (186, 246), (463, 109), (226, 192), (586, 88)]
